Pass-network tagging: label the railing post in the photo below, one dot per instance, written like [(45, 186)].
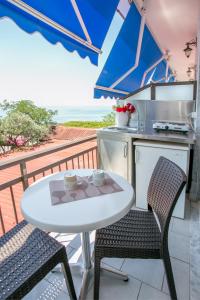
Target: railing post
[(2, 222), (24, 174), (97, 158)]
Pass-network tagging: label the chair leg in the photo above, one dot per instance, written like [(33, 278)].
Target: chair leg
[(170, 277), (68, 280), (97, 265)]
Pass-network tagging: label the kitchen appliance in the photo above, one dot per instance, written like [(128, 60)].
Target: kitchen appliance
[(171, 126), (147, 154)]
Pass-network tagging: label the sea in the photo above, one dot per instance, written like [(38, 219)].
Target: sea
[(76, 113)]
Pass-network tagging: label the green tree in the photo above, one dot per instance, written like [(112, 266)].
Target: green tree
[(19, 129), (109, 118), (39, 115)]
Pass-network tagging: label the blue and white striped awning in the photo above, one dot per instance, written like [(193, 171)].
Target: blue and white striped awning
[(79, 25), (134, 60)]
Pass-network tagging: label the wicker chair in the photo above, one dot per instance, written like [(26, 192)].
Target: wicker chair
[(27, 255), (144, 234)]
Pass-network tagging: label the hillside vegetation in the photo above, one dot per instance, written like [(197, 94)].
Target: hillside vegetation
[(108, 120)]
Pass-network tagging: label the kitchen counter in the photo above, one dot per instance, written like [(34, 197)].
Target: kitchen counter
[(133, 154), (146, 132)]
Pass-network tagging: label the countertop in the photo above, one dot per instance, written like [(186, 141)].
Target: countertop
[(146, 132)]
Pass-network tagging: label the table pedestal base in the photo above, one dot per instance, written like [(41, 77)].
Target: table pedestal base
[(89, 269), (87, 264), (122, 275), (88, 276)]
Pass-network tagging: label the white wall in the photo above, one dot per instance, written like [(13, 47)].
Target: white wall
[(175, 92), (166, 93), (143, 95)]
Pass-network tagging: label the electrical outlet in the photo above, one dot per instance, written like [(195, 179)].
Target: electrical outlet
[(194, 114)]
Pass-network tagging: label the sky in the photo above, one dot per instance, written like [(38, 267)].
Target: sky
[(32, 68)]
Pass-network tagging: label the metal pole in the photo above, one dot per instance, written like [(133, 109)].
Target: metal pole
[(87, 265), (85, 239)]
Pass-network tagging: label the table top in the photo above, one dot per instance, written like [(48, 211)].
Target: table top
[(77, 216)]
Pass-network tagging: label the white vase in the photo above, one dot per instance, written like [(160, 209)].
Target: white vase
[(121, 118), (134, 120)]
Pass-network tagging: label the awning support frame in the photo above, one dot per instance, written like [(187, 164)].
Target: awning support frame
[(165, 78), (159, 80), (150, 68), (80, 19), (108, 89), (170, 76), (167, 69), (36, 14), (137, 58)]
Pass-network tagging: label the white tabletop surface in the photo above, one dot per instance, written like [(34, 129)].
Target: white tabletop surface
[(77, 216)]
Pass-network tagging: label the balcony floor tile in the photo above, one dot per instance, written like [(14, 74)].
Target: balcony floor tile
[(149, 293), (182, 279), (179, 246), (147, 277), (147, 270), (114, 288), (45, 290)]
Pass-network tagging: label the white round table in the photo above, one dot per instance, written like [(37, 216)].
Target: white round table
[(80, 216)]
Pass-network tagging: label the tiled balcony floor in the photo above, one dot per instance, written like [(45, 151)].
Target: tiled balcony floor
[(147, 278)]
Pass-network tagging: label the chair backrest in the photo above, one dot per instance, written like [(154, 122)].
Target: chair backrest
[(166, 184)]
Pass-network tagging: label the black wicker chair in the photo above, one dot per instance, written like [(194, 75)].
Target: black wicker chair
[(144, 234), (27, 255)]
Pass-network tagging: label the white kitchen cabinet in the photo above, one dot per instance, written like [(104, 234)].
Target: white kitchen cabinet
[(114, 155), (146, 157)]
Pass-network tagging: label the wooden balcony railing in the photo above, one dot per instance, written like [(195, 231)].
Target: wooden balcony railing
[(17, 174)]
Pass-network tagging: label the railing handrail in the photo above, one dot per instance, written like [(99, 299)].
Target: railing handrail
[(31, 156), (80, 157), (43, 169)]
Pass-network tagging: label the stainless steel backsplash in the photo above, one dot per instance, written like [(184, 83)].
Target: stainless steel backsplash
[(177, 111)]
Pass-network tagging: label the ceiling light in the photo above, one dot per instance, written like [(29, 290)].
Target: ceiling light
[(189, 72), (187, 50)]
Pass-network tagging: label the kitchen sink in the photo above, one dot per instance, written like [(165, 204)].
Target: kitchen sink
[(121, 129)]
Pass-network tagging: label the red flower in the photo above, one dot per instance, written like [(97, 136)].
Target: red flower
[(119, 109), (130, 108)]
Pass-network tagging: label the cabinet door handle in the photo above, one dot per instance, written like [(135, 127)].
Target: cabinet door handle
[(137, 156), (125, 151)]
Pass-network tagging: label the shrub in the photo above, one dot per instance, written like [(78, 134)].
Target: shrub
[(39, 115), (19, 130), (109, 118), (86, 124)]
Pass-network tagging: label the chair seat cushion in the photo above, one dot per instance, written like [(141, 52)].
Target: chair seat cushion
[(135, 235), (26, 254)]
